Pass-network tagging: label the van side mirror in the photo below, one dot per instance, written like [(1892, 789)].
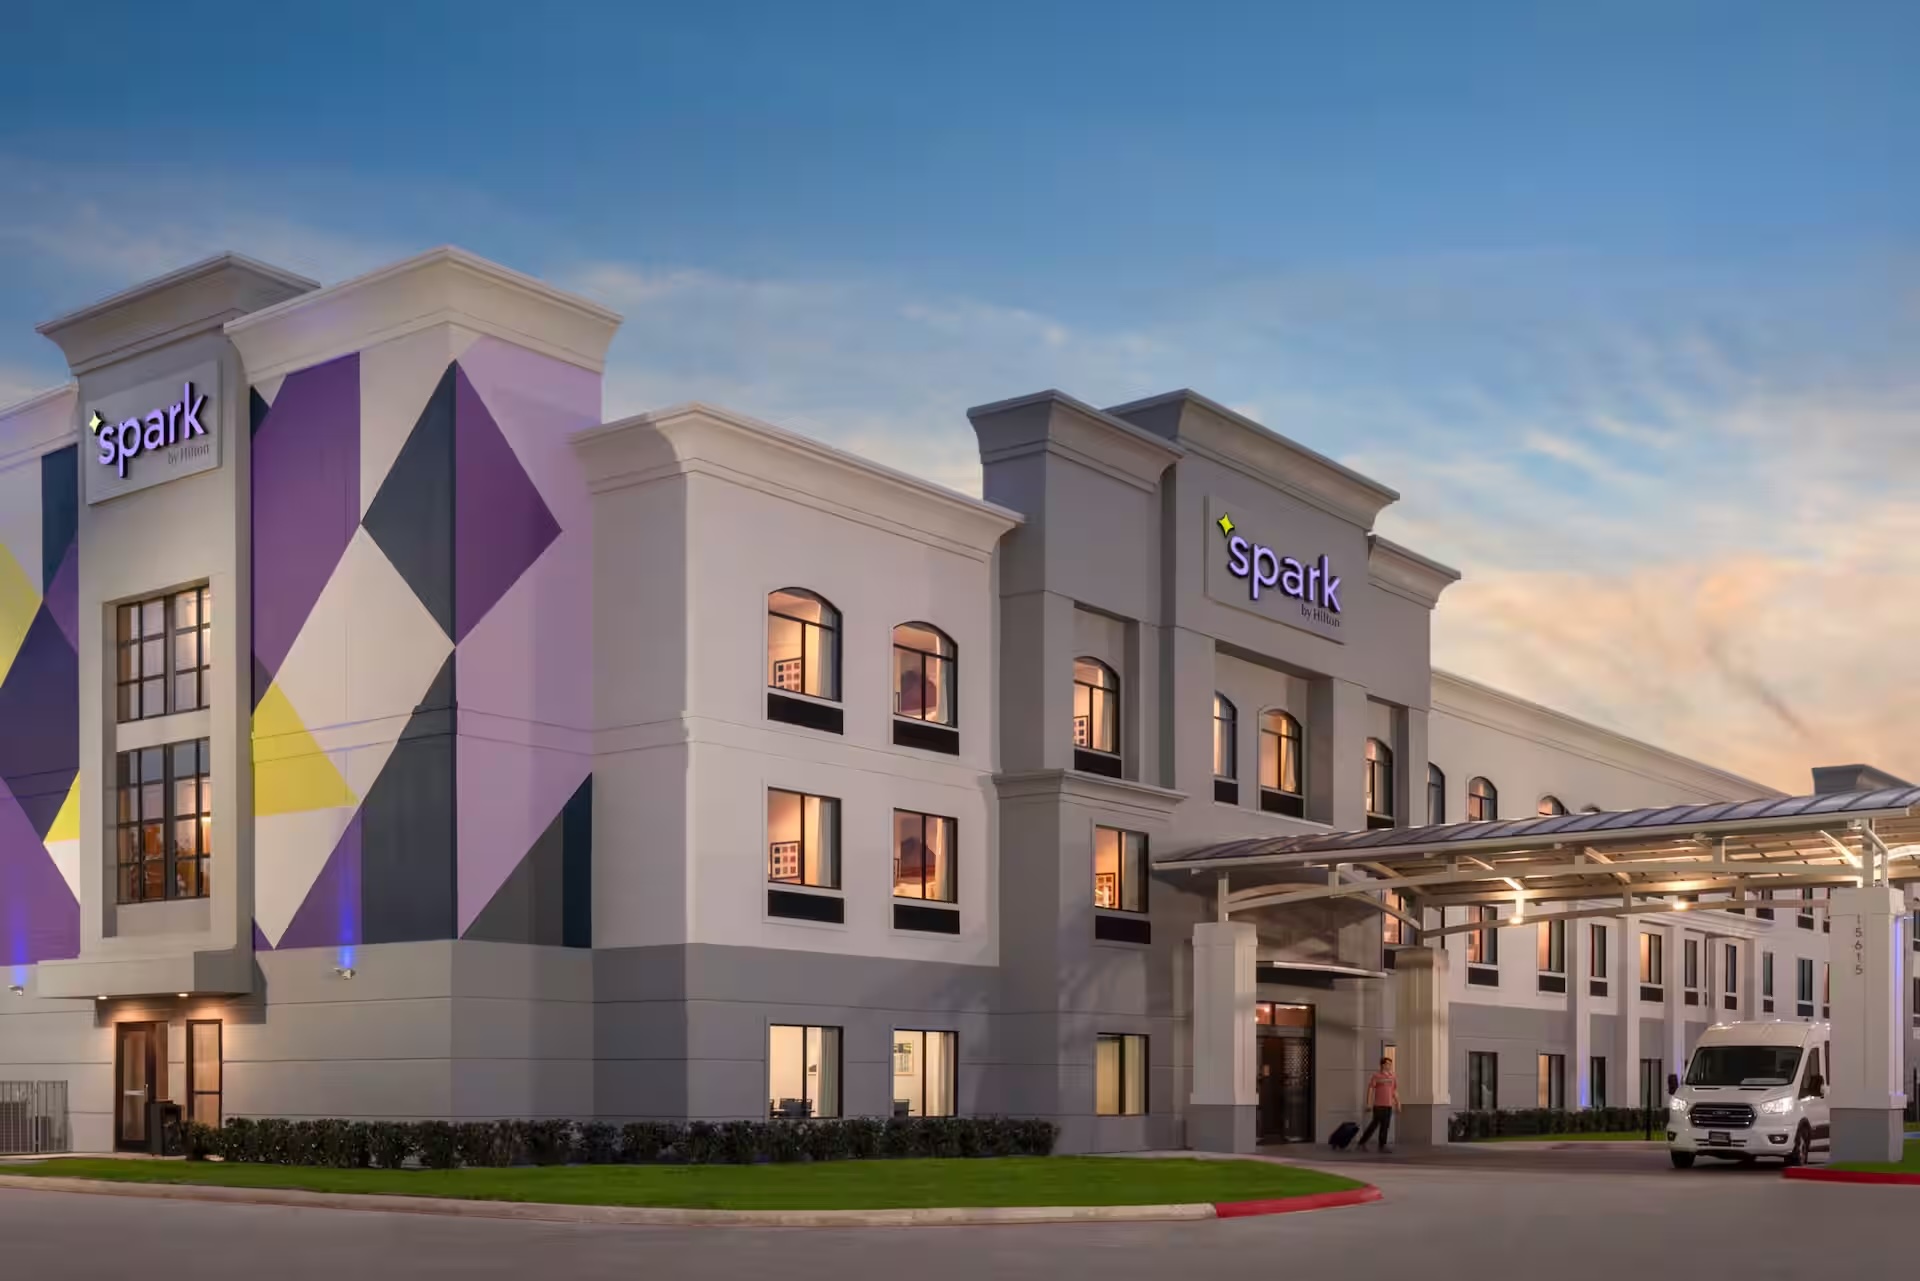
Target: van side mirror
[(1673, 1083)]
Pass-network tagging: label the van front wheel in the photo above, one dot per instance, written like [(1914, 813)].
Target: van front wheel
[(1682, 1160), (1802, 1147)]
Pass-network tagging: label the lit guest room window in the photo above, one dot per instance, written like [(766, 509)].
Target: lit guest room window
[(923, 674), (923, 855), (803, 644)]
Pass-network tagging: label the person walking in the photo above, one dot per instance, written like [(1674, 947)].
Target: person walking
[(1383, 1095)]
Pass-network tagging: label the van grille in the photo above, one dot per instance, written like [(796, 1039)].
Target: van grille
[(1721, 1116)]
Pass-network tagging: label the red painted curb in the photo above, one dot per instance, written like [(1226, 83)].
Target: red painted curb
[(1289, 1204), (1853, 1176)]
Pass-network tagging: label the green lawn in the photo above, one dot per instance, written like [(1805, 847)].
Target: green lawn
[(1909, 1162), (1599, 1136), (829, 1185)]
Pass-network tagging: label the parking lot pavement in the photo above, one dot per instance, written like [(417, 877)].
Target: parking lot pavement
[(1572, 1220)]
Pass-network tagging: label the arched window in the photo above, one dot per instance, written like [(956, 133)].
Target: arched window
[(1379, 784), (1589, 809), (1551, 807), (1226, 724), (803, 644), (923, 674), (1096, 707), (1483, 801), (1282, 772), (1436, 794)]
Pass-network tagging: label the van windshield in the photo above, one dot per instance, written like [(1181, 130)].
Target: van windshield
[(1732, 1065)]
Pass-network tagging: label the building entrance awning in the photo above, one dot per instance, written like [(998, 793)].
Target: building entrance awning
[(1720, 856)]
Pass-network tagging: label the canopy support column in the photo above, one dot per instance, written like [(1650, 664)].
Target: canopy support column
[(1864, 1075), (1221, 1117), (1420, 1045)]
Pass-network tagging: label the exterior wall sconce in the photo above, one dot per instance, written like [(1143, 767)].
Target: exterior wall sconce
[(344, 971), (18, 989)]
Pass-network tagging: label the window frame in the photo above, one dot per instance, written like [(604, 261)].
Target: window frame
[(168, 823), (1550, 806), (1395, 932), (804, 797), (1227, 739), (1483, 944), (952, 850), (1099, 696), (1551, 941), (1597, 967), (830, 624), (950, 1040), (133, 647), (1596, 1081), (1803, 986), (1550, 1078), (1483, 1079), (1653, 960), (1283, 728), (1379, 778), (1436, 794), (1133, 1059), (949, 695), (1480, 788), (810, 1088), (1121, 881), (193, 1091)]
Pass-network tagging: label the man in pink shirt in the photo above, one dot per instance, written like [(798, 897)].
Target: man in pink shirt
[(1383, 1095)]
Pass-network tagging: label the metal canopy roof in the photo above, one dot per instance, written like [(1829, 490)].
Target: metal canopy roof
[(1644, 860)]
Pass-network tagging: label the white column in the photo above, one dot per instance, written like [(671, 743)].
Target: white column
[(1864, 1088), (1420, 1040), (1221, 1117), (1626, 990), (1579, 1014), (1750, 981), (1674, 1050)]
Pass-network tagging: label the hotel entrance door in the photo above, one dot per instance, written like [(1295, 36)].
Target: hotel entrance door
[(1285, 1072), (140, 1077)]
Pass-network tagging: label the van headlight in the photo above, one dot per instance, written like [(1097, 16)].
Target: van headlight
[(1677, 1104), (1777, 1107)]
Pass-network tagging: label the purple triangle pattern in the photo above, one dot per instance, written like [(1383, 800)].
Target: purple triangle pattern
[(260, 943), (330, 916), (39, 917), (40, 722), (501, 523), (63, 597)]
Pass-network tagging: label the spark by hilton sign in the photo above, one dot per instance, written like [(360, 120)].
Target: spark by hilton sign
[(156, 432), (1288, 588)]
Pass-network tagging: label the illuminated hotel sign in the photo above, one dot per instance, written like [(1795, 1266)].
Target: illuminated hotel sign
[(1312, 584), (155, 432)]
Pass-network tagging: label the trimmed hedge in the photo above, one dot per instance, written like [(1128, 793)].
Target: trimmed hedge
[(442, 1145), (1466, 1126)]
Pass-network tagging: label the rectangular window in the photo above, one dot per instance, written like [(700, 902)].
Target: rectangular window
[(803, 1072), (1483, 945), (1690, 964), (1652, 1088), (1652, 960), (925, 1067), (162, 655), (923, 857), (1396, 932), (165, 822), (1120, 1075), (1483, 1081), (803, 839), (1766, 982), (1805, 919), (1597, 1081), (1552, 1081), (1553, 947), (1119, 870), (1826, 988), (1597, 946), (204, 1050), (1915, 1015), (1803, 986), (1730, 975)]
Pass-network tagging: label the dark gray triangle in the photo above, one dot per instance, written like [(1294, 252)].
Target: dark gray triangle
[(411, 518)]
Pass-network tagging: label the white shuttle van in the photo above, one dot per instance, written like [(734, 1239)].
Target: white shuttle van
[(1751, 1090)]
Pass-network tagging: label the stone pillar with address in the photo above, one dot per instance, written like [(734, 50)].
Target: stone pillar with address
[(1221, 1116), (1420, 1041), (1864, 1094)]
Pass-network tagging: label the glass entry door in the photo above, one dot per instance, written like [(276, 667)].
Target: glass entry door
[(1284, 1034), (140, 1073)]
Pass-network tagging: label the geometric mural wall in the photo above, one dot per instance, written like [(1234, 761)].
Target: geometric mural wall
[(422, 662), (39, 710)]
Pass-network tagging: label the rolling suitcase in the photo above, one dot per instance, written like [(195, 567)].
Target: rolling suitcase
[(1343, 1135)]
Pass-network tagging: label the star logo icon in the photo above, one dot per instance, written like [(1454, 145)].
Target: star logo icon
[(94, 423), (1226, 525)]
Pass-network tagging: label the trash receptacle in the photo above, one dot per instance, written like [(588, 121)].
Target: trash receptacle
[(165, 1137)]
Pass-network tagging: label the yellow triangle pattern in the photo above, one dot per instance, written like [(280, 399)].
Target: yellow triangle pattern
[(290, 772), (18, 602), (66, 824)]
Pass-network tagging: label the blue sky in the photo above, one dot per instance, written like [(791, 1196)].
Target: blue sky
[(1624, 297)]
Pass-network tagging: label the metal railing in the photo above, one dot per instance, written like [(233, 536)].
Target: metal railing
[(33, 1118)]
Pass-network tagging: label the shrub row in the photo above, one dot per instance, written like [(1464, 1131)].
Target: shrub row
[(1466, 1126), (443, 1145)]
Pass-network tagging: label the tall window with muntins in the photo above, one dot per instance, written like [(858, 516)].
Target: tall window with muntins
[(803, 644), (163, 655), (1483, 1081), (1396, 932), (803, 839), (1552, 1079), (1652, 966), (1597, 1081), (1597, 966), (1436, 794), (1483, 944), (1550, 807), (204, 1071), (1120, 1075), (1690, 970), (923, 857), (923, 674), (1226, 724), (1766, 982), (803, 1072), (1730, 975), (1483, 801), (165, 822), (1379, 784), (1282, 764), (1553, 947), (1096, 707), (1119, 870), (925, 1070)]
